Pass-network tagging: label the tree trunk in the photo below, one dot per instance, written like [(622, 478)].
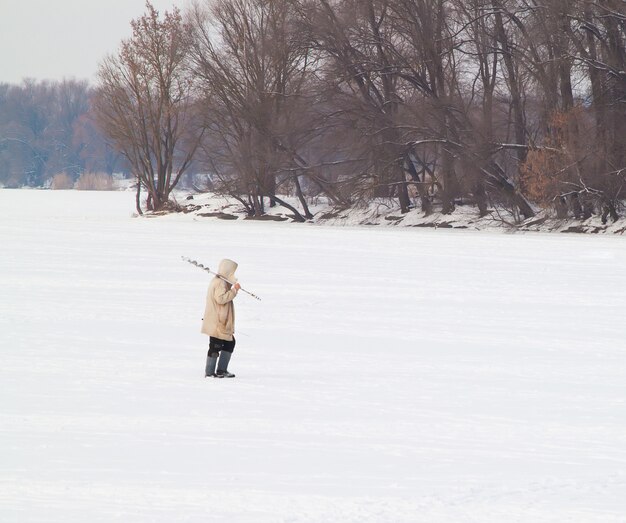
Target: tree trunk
[(481, 198), (403, 191), (296, 215), (449, 192), (307, 212), (422, 191), (138, 198), (516, 98)]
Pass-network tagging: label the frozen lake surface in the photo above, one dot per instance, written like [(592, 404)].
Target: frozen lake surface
[(388, 375)]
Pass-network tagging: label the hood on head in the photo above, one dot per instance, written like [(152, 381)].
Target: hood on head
[(227, 269)]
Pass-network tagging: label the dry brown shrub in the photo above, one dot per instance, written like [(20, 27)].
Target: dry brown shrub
[(539, 178), (94, 182), (548, 170), (62, 181)]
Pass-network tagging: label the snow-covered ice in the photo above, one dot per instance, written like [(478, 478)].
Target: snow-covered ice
[(388, 375)]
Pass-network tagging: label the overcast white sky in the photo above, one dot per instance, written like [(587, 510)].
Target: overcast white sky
[(53, 39)]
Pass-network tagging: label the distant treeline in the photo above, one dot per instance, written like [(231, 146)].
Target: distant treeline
[(46, 129)]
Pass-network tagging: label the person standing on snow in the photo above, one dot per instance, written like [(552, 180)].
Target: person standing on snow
[(219, 320)]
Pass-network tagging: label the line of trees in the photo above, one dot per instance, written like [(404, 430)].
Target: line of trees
[(46, 128), (430, 103)]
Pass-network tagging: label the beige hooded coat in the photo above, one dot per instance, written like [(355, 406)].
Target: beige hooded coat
[(219, 313)]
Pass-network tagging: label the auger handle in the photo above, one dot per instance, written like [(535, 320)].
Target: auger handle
[(204, 268)]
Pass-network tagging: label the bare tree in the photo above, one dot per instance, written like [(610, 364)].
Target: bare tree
[(361, 74), (144, 104), (254, 71)]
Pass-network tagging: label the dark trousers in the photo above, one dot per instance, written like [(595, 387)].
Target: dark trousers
[(216, 346)]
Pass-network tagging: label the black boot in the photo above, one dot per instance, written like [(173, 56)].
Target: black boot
[(222, 365)]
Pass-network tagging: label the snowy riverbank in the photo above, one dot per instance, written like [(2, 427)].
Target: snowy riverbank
[(386, 213), (389, 374)]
